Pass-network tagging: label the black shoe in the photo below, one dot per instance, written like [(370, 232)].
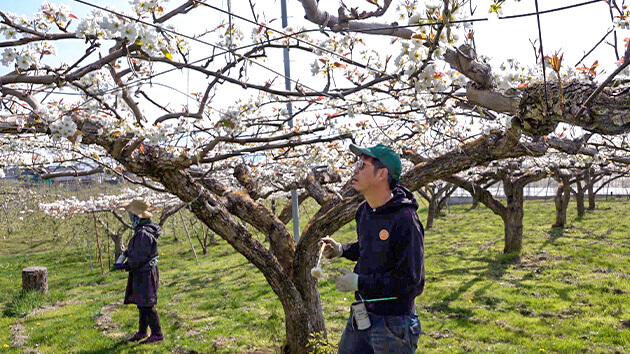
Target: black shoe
[(136, 337), (153, 338)]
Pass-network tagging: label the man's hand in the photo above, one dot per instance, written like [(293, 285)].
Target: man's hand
[(349, 281), (332, 249)]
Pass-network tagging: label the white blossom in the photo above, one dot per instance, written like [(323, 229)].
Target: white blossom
[(129, 32), (433, 4), (24, 61), (315, 67), (9, 55)]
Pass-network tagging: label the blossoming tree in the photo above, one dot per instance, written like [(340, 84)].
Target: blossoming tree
[(117, 103)]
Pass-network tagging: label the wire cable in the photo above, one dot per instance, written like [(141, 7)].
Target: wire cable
[(542, 61), (131, 84), (274, 30)]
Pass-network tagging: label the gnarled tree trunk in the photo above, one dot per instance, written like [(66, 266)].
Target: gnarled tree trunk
[(561, 200), (297, 293), (590, 181), (512, 213), (436, 196), (580, 190), (513, 217)]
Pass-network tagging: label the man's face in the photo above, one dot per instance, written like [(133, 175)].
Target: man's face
[(364, 174)]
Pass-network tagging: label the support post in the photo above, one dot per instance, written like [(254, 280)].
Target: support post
[(98, 245), (287, 85), (188, 235)]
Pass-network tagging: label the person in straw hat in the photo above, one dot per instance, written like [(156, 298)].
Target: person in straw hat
[(142, 283)]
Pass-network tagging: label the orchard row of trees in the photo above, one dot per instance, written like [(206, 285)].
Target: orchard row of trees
[(580, 180), (226, 146)]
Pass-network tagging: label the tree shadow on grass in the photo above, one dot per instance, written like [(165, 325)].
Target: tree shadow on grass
[(149, 348), (114, 348), (495, 269), (554, 234)]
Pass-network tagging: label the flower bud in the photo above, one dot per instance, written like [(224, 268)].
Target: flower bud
[(317, 272)]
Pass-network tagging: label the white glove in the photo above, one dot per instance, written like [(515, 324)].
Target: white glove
[(332, 249), (349, 281)]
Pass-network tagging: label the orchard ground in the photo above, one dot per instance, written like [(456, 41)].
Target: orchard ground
[(569, 290)]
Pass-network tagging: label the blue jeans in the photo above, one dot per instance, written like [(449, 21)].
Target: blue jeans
[(387, 334)]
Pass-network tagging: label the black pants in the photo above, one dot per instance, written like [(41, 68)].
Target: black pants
[(149, 318)]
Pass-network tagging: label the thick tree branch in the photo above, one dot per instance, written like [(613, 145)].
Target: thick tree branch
[(75, 173), (242, 174), (324, 19), (241, 205), (479, 193), (30, 100), (183, 9), (73, 76), (288, 144), (589, 100)]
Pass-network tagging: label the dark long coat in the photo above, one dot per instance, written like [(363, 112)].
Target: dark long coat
[(142, 253)]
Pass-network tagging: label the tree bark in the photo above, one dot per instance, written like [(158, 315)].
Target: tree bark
[(296, 291), (475, 202), (495, 146), (579, 199), (430, 215), (590, 181), (560, 214), (591, 196), (430, 210), (513, 218), (512, 213), (442, 202), (528, 105), (119, 246), (561, 200), (115, 236), (436, 196)]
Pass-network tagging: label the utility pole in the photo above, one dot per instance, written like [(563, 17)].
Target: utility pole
[(287, 86)]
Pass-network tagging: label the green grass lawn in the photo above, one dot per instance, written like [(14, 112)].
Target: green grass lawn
[(568, 292)]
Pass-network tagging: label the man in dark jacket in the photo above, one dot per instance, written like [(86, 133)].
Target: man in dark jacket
[(142, 283), (389, 273)]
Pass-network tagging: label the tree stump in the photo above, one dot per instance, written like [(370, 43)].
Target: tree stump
[(35, 278)]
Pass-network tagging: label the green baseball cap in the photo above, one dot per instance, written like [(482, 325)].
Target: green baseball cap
[(384, 154)]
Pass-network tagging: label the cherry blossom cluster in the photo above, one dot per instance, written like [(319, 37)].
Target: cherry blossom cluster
[(107, 25), (623, 19), (63, 128), (23, 59), (29, 55), (72, 206), (231, 38)]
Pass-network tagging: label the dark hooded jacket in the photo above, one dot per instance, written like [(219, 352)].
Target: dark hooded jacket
[(142, 253), (389, 254)]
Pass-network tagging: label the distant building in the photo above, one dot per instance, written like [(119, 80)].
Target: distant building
[(72, 175), (21, 173)]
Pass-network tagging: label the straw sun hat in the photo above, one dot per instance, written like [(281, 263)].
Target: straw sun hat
[(138, 206)]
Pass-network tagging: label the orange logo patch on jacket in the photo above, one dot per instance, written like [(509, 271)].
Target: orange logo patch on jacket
[(383, 235)]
